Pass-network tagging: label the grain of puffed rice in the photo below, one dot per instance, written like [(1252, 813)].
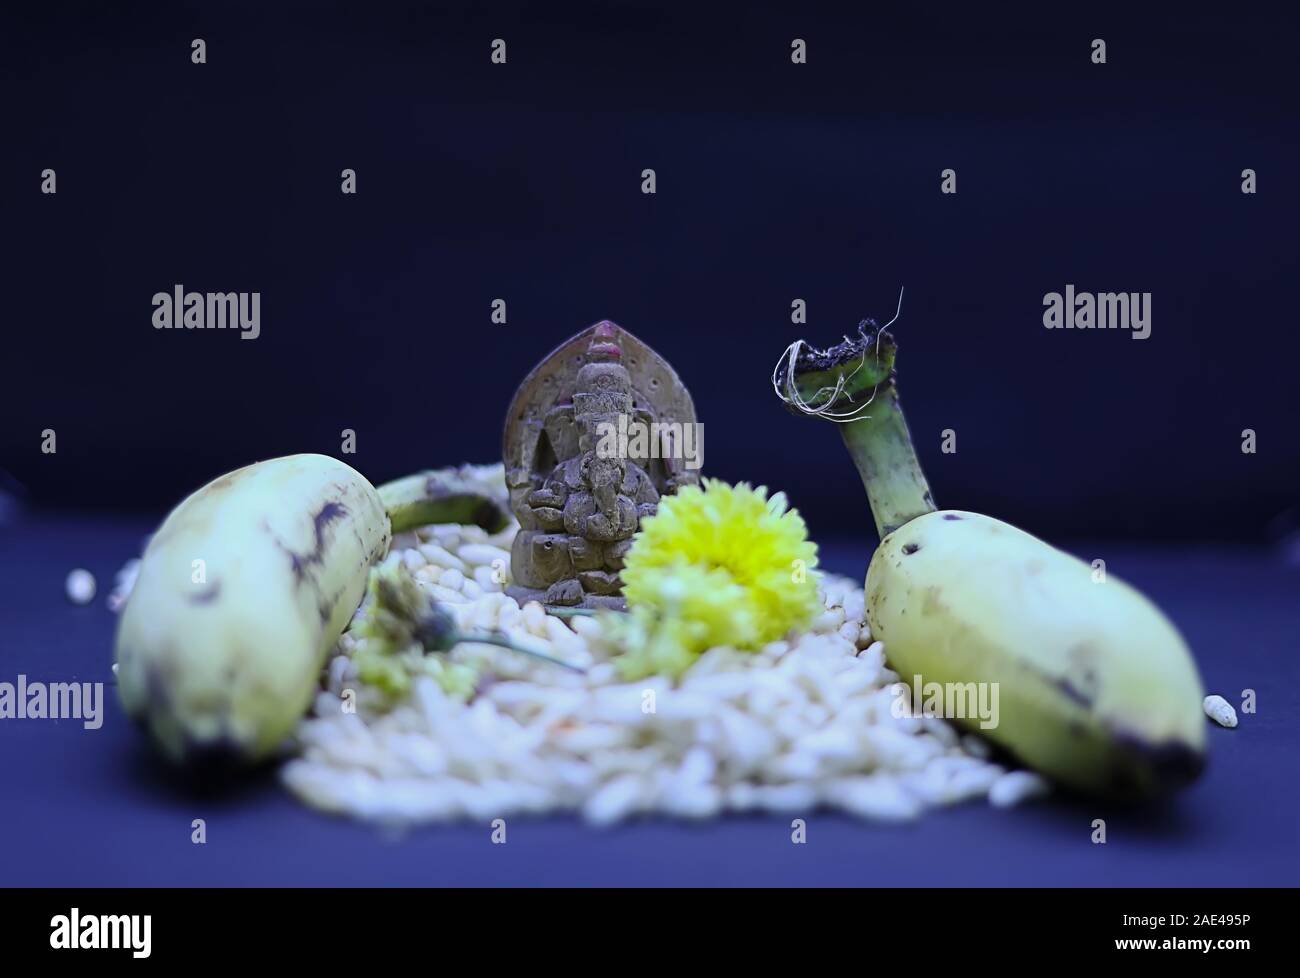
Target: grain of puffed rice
[(123, 582), (799, 724), (80, 586), (1220, 711), (1015, 787)]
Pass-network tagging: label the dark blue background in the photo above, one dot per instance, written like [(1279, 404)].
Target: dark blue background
[(775, 181)]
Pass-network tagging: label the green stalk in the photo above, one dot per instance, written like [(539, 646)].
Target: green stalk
[(505, 642), (564, 611), (855, 385), (881, 448)]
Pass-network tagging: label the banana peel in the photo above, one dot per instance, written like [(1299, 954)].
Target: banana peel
[(1095, 686), (241, 593)]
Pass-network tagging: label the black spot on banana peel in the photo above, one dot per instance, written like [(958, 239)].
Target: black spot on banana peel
[(242, 592), (207, 595), (1171, 765), (1069, 689), (1095, 687)]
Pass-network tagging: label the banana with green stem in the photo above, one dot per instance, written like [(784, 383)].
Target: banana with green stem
[(1096, 687)]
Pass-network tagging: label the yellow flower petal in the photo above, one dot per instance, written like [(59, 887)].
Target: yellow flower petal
[(718, 565)]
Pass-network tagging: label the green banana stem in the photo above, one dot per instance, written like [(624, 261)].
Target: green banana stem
[(564, 611), (503, 641), (882, 450), (854, 384), (441, 496)]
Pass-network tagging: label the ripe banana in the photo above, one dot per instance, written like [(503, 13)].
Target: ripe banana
[(1095, 687), (241, 593)]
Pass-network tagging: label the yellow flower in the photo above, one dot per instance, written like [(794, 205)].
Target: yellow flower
[(718, 565)]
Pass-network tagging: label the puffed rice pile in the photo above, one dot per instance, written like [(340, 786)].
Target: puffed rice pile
[(801, 724)]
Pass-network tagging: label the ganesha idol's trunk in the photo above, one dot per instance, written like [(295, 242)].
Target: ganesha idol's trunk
[(606, 494), (1096, 688)]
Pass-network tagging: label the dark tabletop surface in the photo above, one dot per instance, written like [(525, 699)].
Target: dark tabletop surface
[(83, 807)]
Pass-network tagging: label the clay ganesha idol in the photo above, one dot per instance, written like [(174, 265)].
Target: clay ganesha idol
[(579, 485)]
